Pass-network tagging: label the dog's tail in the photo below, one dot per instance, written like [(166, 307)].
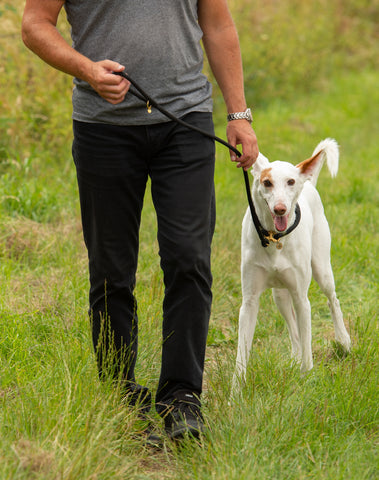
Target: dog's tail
[(329, 151)]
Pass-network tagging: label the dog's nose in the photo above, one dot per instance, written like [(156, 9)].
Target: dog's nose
[(280, 209)]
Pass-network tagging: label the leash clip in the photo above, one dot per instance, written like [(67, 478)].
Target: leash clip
[(148, 106), (270, 238)]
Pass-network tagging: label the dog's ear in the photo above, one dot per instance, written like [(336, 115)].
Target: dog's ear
[(260, 164), (309, 166), (327, 149)]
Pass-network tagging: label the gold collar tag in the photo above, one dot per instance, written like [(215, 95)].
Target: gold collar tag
[(270, 237)]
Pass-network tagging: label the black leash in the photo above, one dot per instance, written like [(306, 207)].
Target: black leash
[(264, 236)]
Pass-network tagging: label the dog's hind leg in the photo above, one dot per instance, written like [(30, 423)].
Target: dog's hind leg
[(323, 274), (302, 309), (283, 301), (324, 277)]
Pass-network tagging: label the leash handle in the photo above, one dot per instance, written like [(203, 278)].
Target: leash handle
[(150, 102)]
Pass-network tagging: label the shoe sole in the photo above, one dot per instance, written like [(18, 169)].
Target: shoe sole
[(181, 430), (155, 441)]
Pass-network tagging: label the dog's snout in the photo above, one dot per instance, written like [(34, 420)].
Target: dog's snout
[(280, 209)]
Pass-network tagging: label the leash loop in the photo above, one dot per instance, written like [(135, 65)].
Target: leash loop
[(264, 236)]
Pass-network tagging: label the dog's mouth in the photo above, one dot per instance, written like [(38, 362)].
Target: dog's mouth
[(281, 222)]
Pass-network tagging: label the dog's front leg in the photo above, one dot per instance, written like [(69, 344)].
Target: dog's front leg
[(247, 322)]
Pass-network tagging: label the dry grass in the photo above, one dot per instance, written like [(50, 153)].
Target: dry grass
[(33, 286), (33, 459)]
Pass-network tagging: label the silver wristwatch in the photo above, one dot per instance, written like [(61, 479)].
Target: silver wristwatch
[(246, 115)]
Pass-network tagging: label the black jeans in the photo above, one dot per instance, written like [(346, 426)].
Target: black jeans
[(113, 164)]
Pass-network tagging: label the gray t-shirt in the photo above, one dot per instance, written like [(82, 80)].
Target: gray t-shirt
[(158, 41)]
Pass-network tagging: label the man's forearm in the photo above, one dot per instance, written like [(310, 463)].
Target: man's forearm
[(40, 34), (46, 42), (223, 53), (222, 47)]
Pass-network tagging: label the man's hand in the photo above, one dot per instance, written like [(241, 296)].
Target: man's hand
[(40, 34), (112, 88), (240, 132)]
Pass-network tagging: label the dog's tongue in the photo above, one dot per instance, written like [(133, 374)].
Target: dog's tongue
[(281, 223)]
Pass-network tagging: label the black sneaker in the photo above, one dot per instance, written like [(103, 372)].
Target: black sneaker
[(183, 416), (138, 396)]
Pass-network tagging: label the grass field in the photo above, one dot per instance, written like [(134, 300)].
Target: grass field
[(311, 73)]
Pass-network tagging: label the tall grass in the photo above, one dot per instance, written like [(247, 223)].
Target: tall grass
[(310, 74)]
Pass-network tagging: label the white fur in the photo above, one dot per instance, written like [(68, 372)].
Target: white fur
[(305, 251)]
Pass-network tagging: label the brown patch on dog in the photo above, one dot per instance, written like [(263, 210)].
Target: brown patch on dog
[(307, 165), (266, 175)]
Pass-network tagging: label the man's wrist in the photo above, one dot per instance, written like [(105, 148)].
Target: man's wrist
[(245, 115)]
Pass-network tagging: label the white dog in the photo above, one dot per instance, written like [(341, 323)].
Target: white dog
[(287, 264)]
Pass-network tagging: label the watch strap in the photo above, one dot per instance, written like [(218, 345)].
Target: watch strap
[(246, 115)]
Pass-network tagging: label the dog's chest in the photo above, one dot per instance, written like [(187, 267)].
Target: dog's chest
[(278, 268), (278, 271)]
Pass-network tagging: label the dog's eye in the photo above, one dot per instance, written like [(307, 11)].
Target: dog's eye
[(291, 182), (267, 183)]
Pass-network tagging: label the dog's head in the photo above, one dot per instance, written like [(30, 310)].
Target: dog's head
[(279, 184)]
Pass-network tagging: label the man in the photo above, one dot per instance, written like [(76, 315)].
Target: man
[(118, 145)]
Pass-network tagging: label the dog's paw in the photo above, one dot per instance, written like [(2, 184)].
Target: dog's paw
[(341, 350), (306, 367)]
